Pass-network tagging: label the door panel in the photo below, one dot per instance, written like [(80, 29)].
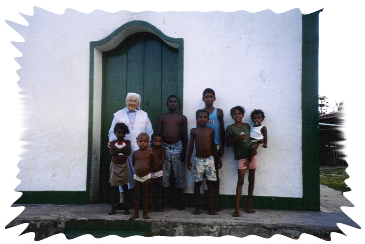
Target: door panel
[(152, 87), (169, 75), (143, 64), (135, 65)]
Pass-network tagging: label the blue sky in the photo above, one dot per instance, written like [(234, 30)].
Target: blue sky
[(341, 51)]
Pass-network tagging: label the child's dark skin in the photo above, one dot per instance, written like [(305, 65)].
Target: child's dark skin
[(203, 138), (257, 119), (159, 153), (237, 117), (209, 99), (120, 159), (173, 128), (142, 161)]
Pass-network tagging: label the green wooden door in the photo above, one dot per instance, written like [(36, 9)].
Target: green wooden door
[(144, 64)]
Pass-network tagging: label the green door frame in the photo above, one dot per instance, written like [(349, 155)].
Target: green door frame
[(96, 49)]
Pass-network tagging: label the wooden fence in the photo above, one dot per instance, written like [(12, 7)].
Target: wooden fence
[(330, 151)]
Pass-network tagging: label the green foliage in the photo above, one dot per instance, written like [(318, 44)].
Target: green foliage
[(334, 178)]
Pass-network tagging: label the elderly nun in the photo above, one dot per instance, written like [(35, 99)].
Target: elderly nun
[(137, 121)]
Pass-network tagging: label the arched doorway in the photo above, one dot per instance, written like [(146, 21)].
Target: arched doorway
[(144, 61)]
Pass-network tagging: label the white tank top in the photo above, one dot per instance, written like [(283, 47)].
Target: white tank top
[(255, 132)]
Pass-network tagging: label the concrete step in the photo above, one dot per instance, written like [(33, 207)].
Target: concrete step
[(101, 230), (75, 220), (82, 235)]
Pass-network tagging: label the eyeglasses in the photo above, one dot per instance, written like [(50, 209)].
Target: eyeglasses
[(132, 101)]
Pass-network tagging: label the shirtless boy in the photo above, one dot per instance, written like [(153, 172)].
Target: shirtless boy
[(203, 139), (173, 128), (156, 172), (217, 123), (142, 161)]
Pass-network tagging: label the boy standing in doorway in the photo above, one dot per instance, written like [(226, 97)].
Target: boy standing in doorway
[(173, 128)]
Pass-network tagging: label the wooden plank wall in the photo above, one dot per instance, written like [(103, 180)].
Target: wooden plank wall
[(340, 146)]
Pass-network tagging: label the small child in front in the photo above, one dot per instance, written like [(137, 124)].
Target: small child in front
[(142, 161), (237, 137), (156, 173), (203, 139), (258, 132), (119, 171)]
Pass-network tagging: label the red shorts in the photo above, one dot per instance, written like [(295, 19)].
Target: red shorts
[(252, 165)]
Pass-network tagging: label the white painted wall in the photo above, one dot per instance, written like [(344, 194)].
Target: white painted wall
[(249, 59)]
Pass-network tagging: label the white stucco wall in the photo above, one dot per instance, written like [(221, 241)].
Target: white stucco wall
[(249, 59)]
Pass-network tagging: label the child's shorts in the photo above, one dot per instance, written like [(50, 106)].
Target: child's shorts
[(173, 163), (252, 165), (157, 174), (142, 179), (204, 165)]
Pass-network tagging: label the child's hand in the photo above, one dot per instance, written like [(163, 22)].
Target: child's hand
[(242, 137), (219, 163), (109, 144), (190, 166), (247, 162)]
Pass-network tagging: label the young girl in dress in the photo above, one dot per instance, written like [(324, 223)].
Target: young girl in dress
[(119, 171)]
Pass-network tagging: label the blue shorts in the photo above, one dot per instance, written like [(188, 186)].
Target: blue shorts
[(173, 162), (204, 165)]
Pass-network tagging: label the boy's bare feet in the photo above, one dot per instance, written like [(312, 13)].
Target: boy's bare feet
[(197, 211), (249, 210), (134, 217), (212, 213), (237, 213), (111, 212), (145, 216)]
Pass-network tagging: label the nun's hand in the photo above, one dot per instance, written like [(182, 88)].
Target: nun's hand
[(109, 144)]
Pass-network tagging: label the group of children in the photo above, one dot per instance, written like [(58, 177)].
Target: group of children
[(153, 163)]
